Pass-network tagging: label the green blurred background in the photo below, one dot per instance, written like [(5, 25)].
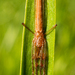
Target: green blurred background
[(11, 17)]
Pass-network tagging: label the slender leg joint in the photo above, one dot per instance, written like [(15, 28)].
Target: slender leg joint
[(27, 28), (50, 29)]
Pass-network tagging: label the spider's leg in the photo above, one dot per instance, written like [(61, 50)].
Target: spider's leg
[(33, 57), (36, 63), (41, 64), (44, 58)]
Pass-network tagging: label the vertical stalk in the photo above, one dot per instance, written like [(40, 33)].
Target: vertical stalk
[(49, 21)]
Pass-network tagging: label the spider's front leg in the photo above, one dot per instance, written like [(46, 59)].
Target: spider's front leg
[(44, 58), (33, 59), (41, 61)]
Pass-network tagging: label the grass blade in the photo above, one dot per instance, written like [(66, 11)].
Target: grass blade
[(49, 21)]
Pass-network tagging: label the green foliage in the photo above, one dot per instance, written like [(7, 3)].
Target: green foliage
[(11, 17), (49, 21), (65, 38)]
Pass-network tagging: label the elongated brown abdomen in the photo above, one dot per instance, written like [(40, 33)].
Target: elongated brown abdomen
[(39, 37), (38, 16)]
